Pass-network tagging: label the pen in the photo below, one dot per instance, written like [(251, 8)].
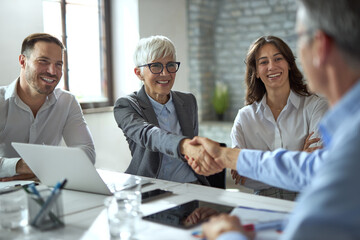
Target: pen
[(49, 202), (36, 192), (41, 201)]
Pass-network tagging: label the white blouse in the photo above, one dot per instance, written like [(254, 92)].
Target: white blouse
[(255, 126)]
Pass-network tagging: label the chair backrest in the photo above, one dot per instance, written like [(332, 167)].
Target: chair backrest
[(218, 180)]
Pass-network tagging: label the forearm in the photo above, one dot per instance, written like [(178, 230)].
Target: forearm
[(285, 169), (230, 156), (143, 133), (8, 166)]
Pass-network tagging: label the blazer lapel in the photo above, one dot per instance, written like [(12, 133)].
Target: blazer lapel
[(147, 107), (184, 116)]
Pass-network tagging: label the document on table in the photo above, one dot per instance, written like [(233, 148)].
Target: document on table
[(259, 216), (14, 183), (255, 215)]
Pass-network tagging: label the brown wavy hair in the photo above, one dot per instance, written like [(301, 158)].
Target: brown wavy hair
[(255, 88)]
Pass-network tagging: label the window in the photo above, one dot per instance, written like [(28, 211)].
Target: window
[(84, 28)]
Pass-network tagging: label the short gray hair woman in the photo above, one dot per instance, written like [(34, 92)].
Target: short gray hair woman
[(158, 123)]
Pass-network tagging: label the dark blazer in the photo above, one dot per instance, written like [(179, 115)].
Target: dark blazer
[(136, 117)]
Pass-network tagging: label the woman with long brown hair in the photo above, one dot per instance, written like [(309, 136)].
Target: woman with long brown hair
[(280, 112)]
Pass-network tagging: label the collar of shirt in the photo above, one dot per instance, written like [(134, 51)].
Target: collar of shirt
[(340, 113), (11, 92), (158, 107), (293, 98)]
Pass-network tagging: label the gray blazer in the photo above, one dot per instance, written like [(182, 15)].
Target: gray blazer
[(136, 117)]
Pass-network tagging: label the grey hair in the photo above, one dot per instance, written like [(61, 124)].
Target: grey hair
[(340, 19), (152, 48)]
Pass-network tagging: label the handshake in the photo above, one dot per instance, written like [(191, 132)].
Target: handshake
[(207, 157)]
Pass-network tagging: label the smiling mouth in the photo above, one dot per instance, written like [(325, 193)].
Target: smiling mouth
[(274, 75), (48, 80), (163, 82)]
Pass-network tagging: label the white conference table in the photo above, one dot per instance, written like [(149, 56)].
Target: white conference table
[(85, 215)]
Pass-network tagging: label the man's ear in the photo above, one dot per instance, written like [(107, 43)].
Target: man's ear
[(22, 60), (323, 45), (137, 72)]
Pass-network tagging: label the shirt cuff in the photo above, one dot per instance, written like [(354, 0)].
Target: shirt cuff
[(8, 167), (247, 163), (232, 235)]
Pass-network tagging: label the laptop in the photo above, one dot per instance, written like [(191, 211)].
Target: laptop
[(51, 164)]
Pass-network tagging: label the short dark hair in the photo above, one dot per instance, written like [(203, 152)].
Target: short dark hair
[(255, 88), (29, 41)]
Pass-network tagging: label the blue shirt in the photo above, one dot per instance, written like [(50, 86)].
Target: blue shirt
[(329, 206), (171, 169)]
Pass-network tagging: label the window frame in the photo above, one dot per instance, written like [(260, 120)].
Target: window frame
[(105, 57)]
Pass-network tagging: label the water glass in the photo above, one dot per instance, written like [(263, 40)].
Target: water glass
[(122, 219), (13, 208), (131, 194), (123, 210)]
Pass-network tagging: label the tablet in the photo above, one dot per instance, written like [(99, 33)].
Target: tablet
[(189, 214)]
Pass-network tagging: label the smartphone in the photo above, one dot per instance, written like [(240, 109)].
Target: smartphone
[(154, 194)]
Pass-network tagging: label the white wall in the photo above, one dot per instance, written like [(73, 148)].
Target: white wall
[(19, 18), (168, 18)]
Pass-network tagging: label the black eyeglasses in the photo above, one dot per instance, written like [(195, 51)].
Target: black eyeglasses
[(156, 68)]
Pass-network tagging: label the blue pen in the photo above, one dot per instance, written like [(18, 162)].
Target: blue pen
[(49, 202), (36, 192), (41, 201)]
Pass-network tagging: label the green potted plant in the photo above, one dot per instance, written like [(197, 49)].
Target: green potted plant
[(220, 99)]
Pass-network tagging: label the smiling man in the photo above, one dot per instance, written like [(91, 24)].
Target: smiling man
[(33, 111)]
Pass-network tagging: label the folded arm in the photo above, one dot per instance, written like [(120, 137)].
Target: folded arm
[(131, 118)]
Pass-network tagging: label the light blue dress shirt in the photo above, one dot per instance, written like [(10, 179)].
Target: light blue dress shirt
[(171, 169), (329, 206)]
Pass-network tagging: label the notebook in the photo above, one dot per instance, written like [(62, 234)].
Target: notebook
[(54, 163)]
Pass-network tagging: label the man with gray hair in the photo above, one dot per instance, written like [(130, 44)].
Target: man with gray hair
[(328, 207)]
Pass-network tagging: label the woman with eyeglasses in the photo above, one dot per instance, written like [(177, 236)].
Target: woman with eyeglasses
[(158, 123), (280, 112)]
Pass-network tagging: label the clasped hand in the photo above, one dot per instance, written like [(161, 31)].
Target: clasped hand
[(204, 156)]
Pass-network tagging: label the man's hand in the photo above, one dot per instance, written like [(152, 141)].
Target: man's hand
[(23, 172), (223, 157), (197, 153), (309, 141), (221, 224)]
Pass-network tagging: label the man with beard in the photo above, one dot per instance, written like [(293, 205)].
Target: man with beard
[(33, 111)]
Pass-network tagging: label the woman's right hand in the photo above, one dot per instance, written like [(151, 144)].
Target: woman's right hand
[(309, 141), (237, 177)]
